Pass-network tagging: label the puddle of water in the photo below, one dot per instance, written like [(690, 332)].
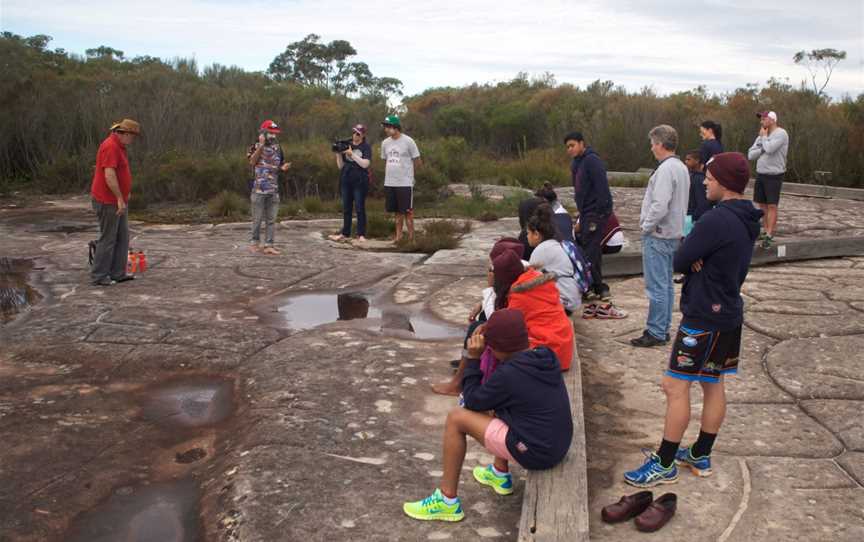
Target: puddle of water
[(163, 512), (192, 402), (16, 295), (307, 311)]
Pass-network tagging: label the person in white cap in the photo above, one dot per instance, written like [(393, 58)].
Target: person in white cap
[(769, 150)]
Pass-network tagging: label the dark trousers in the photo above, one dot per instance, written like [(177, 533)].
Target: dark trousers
[(591, 241), (112, 248), (354, 196)]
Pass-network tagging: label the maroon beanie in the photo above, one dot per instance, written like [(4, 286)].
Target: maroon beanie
[(507, 243), (507, 267), (731, 170), (506, 331)]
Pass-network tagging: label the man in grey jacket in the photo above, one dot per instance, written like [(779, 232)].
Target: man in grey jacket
[(769, 150), (662, 223)]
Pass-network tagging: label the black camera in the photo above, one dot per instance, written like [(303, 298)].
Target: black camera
[(341, 145), (269, 139)]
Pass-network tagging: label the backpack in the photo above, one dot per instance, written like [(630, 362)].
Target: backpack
[(581, 266)]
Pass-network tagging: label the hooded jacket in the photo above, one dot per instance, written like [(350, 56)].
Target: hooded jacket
[(723, 239), (527, 392), (536, 295), (590, 184)]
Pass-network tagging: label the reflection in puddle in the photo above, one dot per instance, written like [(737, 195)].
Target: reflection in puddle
[(307, 311), (192, 402), (16, 296), (163, 512)]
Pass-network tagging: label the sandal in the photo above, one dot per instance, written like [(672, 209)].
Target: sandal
[(271, 251), (609, 312), (589, 311)]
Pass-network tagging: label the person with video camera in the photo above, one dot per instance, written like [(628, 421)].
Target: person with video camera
[(267, 159), (353, 158)]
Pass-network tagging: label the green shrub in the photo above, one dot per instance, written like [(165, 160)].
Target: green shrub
[(436, 235), (379, 226), (228, 205)]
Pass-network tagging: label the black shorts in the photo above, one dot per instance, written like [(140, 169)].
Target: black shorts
[(767, 189), (399, 199), (704, 356)]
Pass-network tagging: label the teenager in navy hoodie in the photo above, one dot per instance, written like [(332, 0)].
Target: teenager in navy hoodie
[(532, 424), (715, 258), (594, 201)]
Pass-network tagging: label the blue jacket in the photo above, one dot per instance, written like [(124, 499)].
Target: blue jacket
[(698, 202), (527, 392), (723, 239), (590, 185)]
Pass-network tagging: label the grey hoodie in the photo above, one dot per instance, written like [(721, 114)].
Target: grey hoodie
[(770, 152), (665, 201)]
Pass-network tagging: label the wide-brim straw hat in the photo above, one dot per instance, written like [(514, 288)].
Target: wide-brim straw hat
[(127, 125)]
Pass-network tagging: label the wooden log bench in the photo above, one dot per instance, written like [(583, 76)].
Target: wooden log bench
[(555, 503)]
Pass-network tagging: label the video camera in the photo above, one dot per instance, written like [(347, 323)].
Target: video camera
[(269, 139), (341, 145)]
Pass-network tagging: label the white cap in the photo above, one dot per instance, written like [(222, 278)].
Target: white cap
[(770, 114)]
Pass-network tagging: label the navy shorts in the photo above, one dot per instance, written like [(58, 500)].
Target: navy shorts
[(399, 199), (704, 356), (767, 189)]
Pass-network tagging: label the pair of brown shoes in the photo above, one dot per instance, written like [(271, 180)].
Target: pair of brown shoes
[(650, 515)]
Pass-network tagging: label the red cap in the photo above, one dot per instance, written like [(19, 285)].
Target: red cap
[(271, 127)]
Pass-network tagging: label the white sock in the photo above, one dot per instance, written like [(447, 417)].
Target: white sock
[(498, 472), (449, 500)]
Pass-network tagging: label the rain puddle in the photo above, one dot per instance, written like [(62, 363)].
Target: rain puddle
[(191, 402), (16, 295), (160, 512), (307, 311)]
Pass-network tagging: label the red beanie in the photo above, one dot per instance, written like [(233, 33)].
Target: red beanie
[(507, 267), (506, 331), (731, 170), (507, 243)]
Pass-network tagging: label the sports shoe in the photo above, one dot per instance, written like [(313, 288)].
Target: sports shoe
[(103, 282), (647, 340), (700, 466), (503, 485), (433, 508), (652, 473), (609, 312), (762, 235), (767, 241)]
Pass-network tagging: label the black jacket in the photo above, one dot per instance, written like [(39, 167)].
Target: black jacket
[(527, 392), (723, 239), (351, 171), (698, 203), (590, 185)]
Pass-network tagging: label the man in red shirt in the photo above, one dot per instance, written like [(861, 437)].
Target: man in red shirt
[(112, 183)]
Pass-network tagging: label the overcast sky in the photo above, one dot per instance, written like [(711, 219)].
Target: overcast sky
[(669, 45)]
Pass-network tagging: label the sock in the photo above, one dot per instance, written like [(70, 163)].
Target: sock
[(448, 499), (667, 453), (499, 472), (703, 444)]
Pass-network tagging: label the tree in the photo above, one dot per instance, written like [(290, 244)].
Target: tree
[(309, 62), (104, 52), (819, 61)]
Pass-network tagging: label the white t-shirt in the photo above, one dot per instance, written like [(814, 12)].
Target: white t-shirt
[(399, 155)]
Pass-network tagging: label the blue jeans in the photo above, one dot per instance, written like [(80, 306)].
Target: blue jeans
[(353, 195), (265, 207), (657, 270)]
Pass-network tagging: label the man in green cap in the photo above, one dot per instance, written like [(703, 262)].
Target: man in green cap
[(401, 156)]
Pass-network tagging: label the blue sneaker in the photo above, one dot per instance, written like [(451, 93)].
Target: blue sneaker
[(651, 473), (700, 466)]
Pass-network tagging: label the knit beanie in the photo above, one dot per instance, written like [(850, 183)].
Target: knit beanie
[(506, 331), (731, 170)]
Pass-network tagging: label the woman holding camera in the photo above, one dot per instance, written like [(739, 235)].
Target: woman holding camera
[(353, 165)]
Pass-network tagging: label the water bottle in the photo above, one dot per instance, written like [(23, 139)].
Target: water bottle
[(142, 261), (132, 263)]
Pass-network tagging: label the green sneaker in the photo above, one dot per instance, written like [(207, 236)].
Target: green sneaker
[(434, 508), (503, 485), (767, 241), (762, 235)]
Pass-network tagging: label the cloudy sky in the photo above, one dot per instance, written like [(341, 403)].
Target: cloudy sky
[(668, 45)]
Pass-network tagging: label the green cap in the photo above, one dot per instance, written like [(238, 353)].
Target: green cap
[(392, 120)]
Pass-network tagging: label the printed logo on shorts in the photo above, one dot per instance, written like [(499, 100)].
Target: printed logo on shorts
[(684, 361), (690, 341), (521, 447), (716, 307)]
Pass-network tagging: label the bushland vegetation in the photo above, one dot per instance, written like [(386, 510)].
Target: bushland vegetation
[(198, 122)]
